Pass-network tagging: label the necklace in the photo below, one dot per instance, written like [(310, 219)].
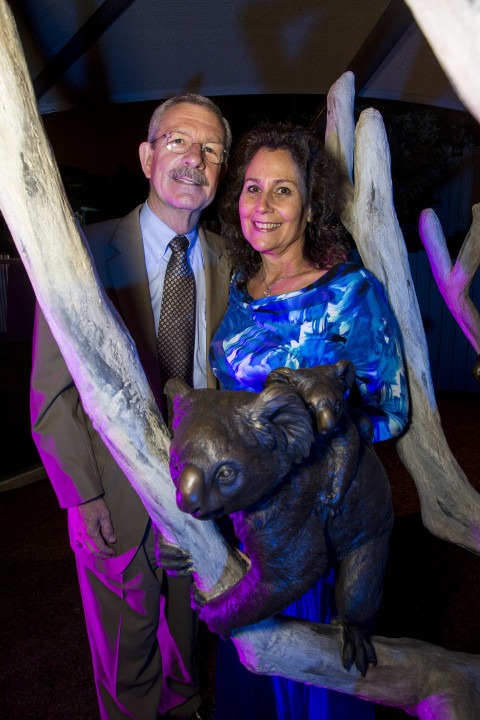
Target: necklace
[(269, 287)]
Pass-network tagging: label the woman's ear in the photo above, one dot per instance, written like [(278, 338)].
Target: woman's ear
[(309, 215)]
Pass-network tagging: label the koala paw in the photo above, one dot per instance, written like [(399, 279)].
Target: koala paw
[(363, 424), (198, 598), (172, 558), (357, 648), (204, 604)]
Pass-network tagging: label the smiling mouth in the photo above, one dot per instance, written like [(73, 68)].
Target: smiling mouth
[(266, 226), (188, 176), (185, 180)]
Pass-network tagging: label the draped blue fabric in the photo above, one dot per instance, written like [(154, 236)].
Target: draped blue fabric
[(343, 315)]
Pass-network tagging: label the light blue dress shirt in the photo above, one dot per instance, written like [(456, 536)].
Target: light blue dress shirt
[(156, 236)]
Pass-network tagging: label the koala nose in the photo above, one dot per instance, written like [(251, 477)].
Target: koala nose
[(190, 486), (325, 420)]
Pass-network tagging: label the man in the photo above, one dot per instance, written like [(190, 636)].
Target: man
[(140, 625)]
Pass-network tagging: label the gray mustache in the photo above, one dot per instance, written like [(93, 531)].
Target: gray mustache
[(190, 173)]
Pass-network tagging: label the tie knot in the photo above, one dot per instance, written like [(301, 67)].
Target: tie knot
[(178, 244)]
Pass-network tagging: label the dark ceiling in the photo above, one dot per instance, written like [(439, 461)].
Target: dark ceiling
[(119, 51)]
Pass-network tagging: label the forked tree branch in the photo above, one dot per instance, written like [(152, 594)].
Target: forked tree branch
[(454, 281), (450, 506)]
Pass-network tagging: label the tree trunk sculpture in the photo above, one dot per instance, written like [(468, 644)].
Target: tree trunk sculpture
[(454, 280), (428, 682), (453, 31), (450, 506)]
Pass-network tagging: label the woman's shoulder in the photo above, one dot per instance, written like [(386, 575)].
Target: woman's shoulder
[(348, 274)]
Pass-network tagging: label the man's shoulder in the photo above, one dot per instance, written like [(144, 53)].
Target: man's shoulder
[(215, 241), (105, 230)]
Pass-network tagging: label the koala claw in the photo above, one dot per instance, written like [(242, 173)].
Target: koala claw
[(212, 619), (358, 648), (172, 558), (198, 598), (363, 424), (199, 601)]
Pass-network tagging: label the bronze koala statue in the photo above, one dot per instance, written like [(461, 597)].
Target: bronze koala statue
[(301, 501)]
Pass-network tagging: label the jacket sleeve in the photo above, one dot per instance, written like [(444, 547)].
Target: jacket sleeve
[(62, 432)]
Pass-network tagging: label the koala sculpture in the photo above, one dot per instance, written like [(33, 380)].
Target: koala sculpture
[(301, 501)]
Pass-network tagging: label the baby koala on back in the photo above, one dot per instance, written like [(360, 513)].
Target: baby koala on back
[(323, 392), (301, 501)]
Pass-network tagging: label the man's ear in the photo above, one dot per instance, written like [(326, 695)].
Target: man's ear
[(146, 155)]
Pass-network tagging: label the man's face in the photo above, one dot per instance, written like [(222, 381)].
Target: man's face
[(182, 185)]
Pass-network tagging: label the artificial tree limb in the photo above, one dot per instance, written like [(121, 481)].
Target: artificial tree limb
[(105, 366), (450, 506), (453, 31), (454, 280), (425, 681)]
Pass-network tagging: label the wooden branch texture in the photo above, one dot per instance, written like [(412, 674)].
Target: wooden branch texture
[(450, 506), (454, 280), (452, 28), (425, 681), (428, 682)]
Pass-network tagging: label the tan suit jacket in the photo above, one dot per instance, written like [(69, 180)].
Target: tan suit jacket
[(79, 465)]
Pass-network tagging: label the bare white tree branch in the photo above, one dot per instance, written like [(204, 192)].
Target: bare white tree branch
[(454, 280), (450, 506), (452, 27)]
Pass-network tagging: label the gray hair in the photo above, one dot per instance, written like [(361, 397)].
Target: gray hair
[(193, 99)]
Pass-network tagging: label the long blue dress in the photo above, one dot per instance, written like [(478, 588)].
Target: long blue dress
[(344, 314)]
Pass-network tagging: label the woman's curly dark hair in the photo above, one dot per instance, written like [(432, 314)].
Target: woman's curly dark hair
[(325, 238)]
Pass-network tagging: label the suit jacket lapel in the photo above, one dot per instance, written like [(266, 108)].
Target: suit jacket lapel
[(217, 284), (130, 284)]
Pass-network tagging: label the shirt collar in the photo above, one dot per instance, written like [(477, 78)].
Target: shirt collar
[(156, 234)]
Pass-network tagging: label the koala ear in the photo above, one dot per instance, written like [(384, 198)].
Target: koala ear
[(281, 419), (175, 388), (282, 376), (181, 400), (347, 369)]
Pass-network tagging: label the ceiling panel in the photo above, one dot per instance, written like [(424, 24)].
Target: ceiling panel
[(158, 48)]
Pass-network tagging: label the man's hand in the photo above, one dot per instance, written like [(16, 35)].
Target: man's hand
[(92, 528)]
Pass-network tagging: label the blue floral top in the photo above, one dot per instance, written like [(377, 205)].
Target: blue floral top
[(344, 314)]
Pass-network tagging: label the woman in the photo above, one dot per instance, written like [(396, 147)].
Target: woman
[(295, 301)]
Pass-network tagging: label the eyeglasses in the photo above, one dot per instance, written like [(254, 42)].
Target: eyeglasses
[(181, 143)]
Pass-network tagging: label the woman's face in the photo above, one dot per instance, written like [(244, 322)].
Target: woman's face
[(272, 204)]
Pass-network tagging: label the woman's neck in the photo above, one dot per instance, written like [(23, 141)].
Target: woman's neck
[(276, 278), (276, 272)]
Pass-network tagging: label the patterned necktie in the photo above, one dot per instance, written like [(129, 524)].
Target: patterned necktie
[(176, 328)]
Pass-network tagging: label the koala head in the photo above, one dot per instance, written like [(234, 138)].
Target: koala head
[(322, 388), (230, 449)]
